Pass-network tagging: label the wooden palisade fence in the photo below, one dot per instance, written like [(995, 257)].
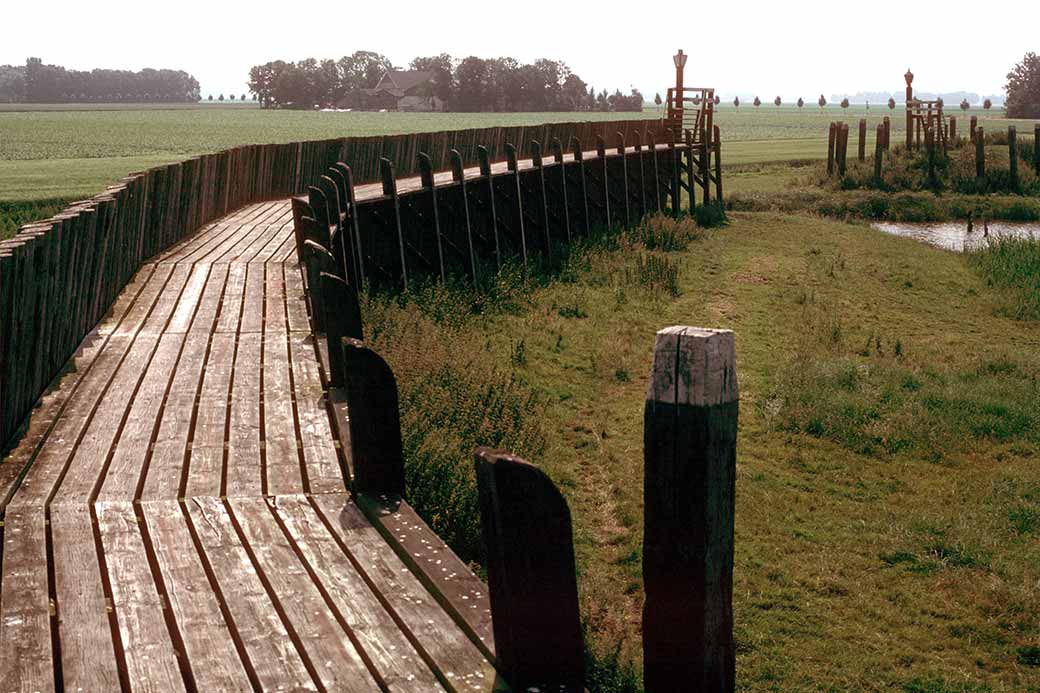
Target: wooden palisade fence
[(60, 276)]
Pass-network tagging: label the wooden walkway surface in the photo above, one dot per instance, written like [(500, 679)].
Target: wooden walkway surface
[(176, 516)]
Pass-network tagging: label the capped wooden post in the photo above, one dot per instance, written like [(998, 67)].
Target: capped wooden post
[(909, 77), (832, 135), (717, 144), (689, 448), (1013, 157), (526, 528), (862, 139), (980, 153), (375, 422), (879, 143), (342, 319)]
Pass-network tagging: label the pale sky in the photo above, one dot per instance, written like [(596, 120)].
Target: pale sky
[(767, 48)]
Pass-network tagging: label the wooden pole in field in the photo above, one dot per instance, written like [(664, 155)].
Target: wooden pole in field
[(1036, 148), (953, 129), (980, 153), (929, 146), (526, 529), (843, 148), (689, 448), (832, 135), (972, 125), (888, 133), (909, 77), (717, 142), (1013, 157), (879, 143), (862, 139)]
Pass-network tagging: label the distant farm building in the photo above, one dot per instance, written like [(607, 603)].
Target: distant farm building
[(403, 90)]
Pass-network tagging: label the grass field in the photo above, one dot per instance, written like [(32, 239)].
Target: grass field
[(888, 496), (73, 152)]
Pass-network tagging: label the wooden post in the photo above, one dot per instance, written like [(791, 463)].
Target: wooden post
[(879, 143), (652, 147), (317, 259), (342, 319), (705, 170), (458, 175), (429, 185), (348, 177), (579, 158), (518, 209), (980, 153), (972, 125), (557, 148), (485, 173), (909, 77), (953, 129), (386, 170), (526, 528), (536, 160), (862, 139), (638, 139), (375, 422), (674, 183), (601, 153), (888, 133), (832, 135), (689, 448), (1013, 156), (717, 144), (843, 148), (1036, 148), (929, 146), (620, 142)]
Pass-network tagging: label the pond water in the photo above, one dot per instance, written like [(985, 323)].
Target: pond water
[(955, 235)]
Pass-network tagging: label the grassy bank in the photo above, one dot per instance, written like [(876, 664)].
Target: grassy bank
[(888, 508), (1012, 265), (14, 214)]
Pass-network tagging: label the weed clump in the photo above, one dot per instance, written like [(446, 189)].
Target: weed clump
[(1013, 266)]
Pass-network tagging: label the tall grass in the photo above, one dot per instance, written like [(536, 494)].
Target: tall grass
[(1013, 266), (15, 214)]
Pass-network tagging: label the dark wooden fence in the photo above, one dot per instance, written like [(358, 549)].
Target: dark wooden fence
[(59, 277)]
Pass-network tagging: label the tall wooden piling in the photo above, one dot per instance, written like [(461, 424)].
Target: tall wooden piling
[(980, 153), (1013, 157), (973, 124), (953, 130), (929, 147), (887, 122), (689, 444), (879, 143), (1036, 148), (843, 147), (717, 144), (526, 529), (862, 152)]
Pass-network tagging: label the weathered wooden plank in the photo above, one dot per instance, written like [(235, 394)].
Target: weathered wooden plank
[(210, 647), (321, 461), (206, 459), (231, 302), (260, 628), (253, 300), (149, 652), (340, 666), (281, 457), (88, 656), (376, 630), (243, 476), (25, 622)]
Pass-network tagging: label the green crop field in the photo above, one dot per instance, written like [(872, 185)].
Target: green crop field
[(56, 152)]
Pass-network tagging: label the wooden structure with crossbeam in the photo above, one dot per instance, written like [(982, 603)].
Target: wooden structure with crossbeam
[(923, 116), (691, 111)]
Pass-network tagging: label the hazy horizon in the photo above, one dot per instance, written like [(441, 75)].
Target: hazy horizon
[(754, 61)]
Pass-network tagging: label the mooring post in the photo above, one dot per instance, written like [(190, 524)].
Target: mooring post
[(1013, 157), (342, 319), (386, 169), (862, 139), (689, 448), (832, 136), (980, 153), (909, 77), (879, 141), (526, 528), (375, 421)]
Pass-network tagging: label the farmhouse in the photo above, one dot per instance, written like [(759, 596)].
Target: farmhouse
[(404, 90)]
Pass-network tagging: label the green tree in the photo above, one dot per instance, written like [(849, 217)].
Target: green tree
[(442, 67), (801, 102), (1023, 88), (987, 104), (736, 102), (657, 99), (777, 102), (756, 103), (891, 104), (821, 102)]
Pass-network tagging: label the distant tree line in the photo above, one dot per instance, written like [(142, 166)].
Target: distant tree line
[(471, 84), (36, 82)]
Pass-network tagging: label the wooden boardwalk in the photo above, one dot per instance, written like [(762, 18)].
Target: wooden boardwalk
[(176, 515)]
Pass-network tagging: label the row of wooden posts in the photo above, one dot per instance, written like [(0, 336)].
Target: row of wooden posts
[(525, 212), (838, 141), (59, 277), (690, 422)]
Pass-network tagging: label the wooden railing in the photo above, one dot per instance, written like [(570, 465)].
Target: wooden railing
[(59, 277)]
